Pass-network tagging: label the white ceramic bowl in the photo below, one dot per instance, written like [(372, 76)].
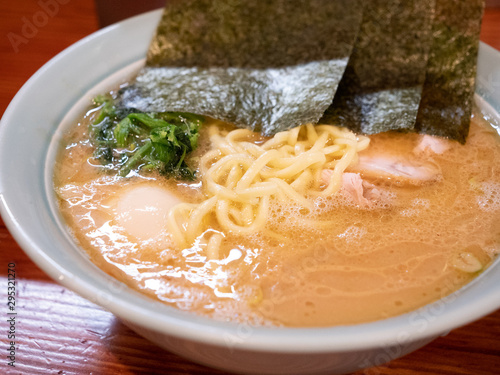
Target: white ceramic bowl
[(26, 204)]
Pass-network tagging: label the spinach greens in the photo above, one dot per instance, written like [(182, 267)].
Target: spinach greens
[(127, 140)]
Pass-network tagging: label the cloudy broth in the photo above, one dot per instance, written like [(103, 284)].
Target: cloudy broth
[(336, 264)]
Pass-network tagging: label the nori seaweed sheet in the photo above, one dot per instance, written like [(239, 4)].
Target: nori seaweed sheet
[(382, 85), (445, 109), (265, 65)]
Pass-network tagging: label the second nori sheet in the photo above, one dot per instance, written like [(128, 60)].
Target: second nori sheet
[(265, 65), (445, 108), (382, 85)]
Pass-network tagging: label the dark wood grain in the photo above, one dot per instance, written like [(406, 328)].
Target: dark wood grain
[(62, 333)]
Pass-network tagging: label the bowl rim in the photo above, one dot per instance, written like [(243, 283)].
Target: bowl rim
[(142, 311)]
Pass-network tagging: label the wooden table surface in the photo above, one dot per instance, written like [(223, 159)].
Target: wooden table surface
[(58, 332)]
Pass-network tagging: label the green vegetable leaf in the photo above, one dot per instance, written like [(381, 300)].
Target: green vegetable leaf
[(122, 131), (128, 141), (147, 119)]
